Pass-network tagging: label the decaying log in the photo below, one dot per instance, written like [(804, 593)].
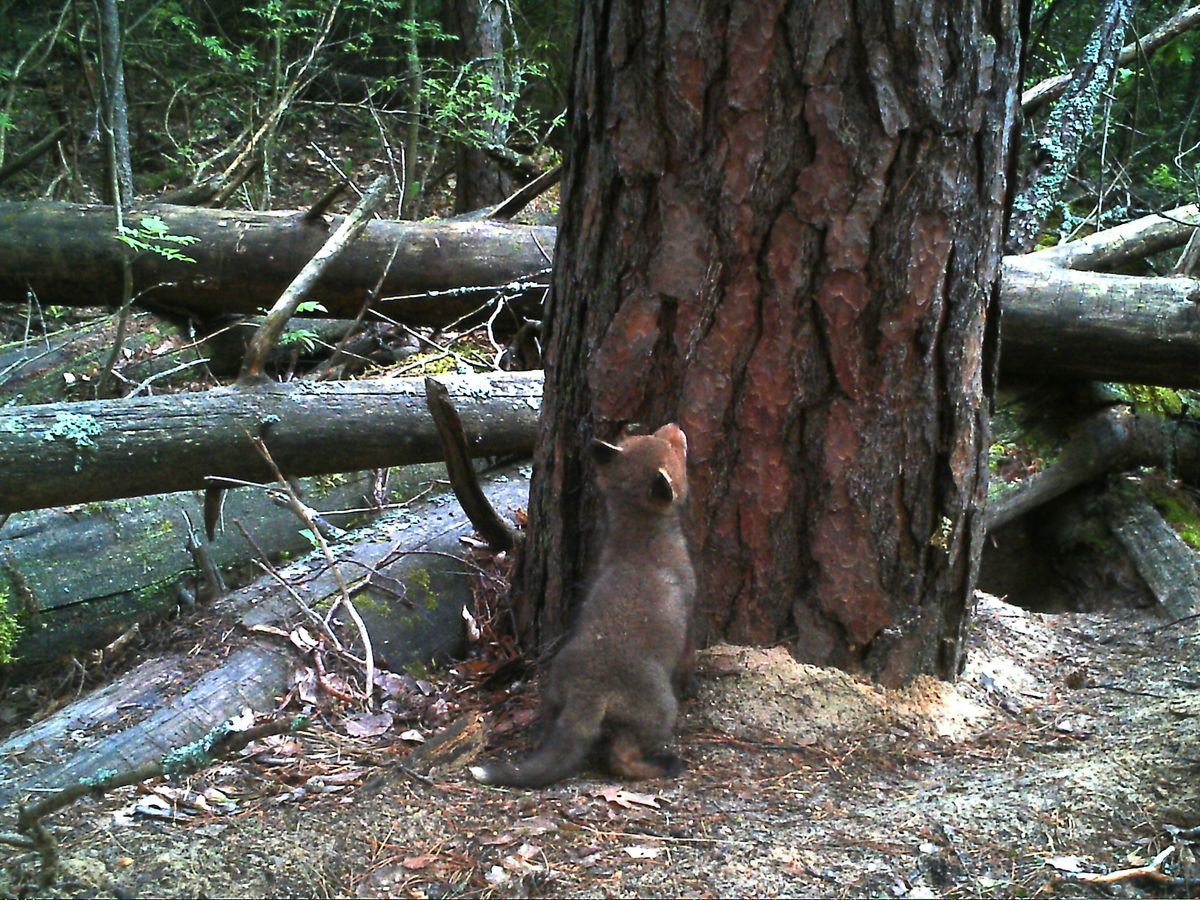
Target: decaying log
[(61, 365), (55, 454), (408, 571), (159, 355), (1113, 440), (67, 255), (1062, 318), (1170, 568), (1054, 315), (91, 572), (1092, 325)]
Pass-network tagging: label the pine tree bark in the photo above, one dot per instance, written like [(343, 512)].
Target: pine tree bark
[(781, 228)]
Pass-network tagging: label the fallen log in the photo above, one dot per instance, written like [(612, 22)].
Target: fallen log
[(56, 454), (1061, 317), (1113, 440), (61, 365), (1057, 319), (162, 356), (1062, 323), (89, 573), (66, 254), (413, 584), (1170, 568)]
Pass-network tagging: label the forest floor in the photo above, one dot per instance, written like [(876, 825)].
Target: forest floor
[(1071, 744)]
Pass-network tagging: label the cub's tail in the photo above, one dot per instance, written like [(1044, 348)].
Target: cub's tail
[(563, 753)]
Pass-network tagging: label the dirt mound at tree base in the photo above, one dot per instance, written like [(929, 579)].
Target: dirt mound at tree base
[(750, 691)]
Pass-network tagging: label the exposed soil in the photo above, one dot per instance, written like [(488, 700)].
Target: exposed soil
[(1070, 743)]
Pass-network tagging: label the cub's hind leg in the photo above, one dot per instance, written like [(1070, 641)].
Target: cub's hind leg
[(627, 759), (641, 731)]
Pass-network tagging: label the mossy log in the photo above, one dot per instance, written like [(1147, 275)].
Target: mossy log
[(77, 578), (1109, 441), (66, 254), (409, 580), (1170, 568), (56, 454)]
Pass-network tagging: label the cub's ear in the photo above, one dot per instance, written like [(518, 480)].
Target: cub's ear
[(603, 452), (673, 435), (661, 487)]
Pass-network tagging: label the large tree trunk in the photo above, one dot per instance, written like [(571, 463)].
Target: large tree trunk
[(479, 182), (58, 453), (67, 255), (781, 228)]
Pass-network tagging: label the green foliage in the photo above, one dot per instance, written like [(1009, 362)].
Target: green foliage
[(11, 627), (468, 104), (303, 338), (1143, 154), (154, 236), (1160, 401), (1180, 512)]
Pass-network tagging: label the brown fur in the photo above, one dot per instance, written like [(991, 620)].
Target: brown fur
[(612, 686)]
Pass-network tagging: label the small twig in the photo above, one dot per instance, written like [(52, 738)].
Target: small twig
[(210, 586), (317, 210), (518, 286), (509, 207), (1153, 871), (219, 741), (32, 153), (155, 377), (323, 682), (1173, 623), (299, 509), (312, 614), (1109, 686), (340, 351)]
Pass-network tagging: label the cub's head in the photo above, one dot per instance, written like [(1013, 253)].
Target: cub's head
[(648, 472)]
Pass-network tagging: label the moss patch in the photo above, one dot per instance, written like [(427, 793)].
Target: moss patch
[(1180, 511), (12, 626)]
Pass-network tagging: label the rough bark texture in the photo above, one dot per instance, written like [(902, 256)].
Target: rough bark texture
[(479, 180), (66, 254), (781, 227), (58, 453), (1093, 325)]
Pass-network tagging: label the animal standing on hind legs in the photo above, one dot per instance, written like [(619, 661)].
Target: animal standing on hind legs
[(611, 689)]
